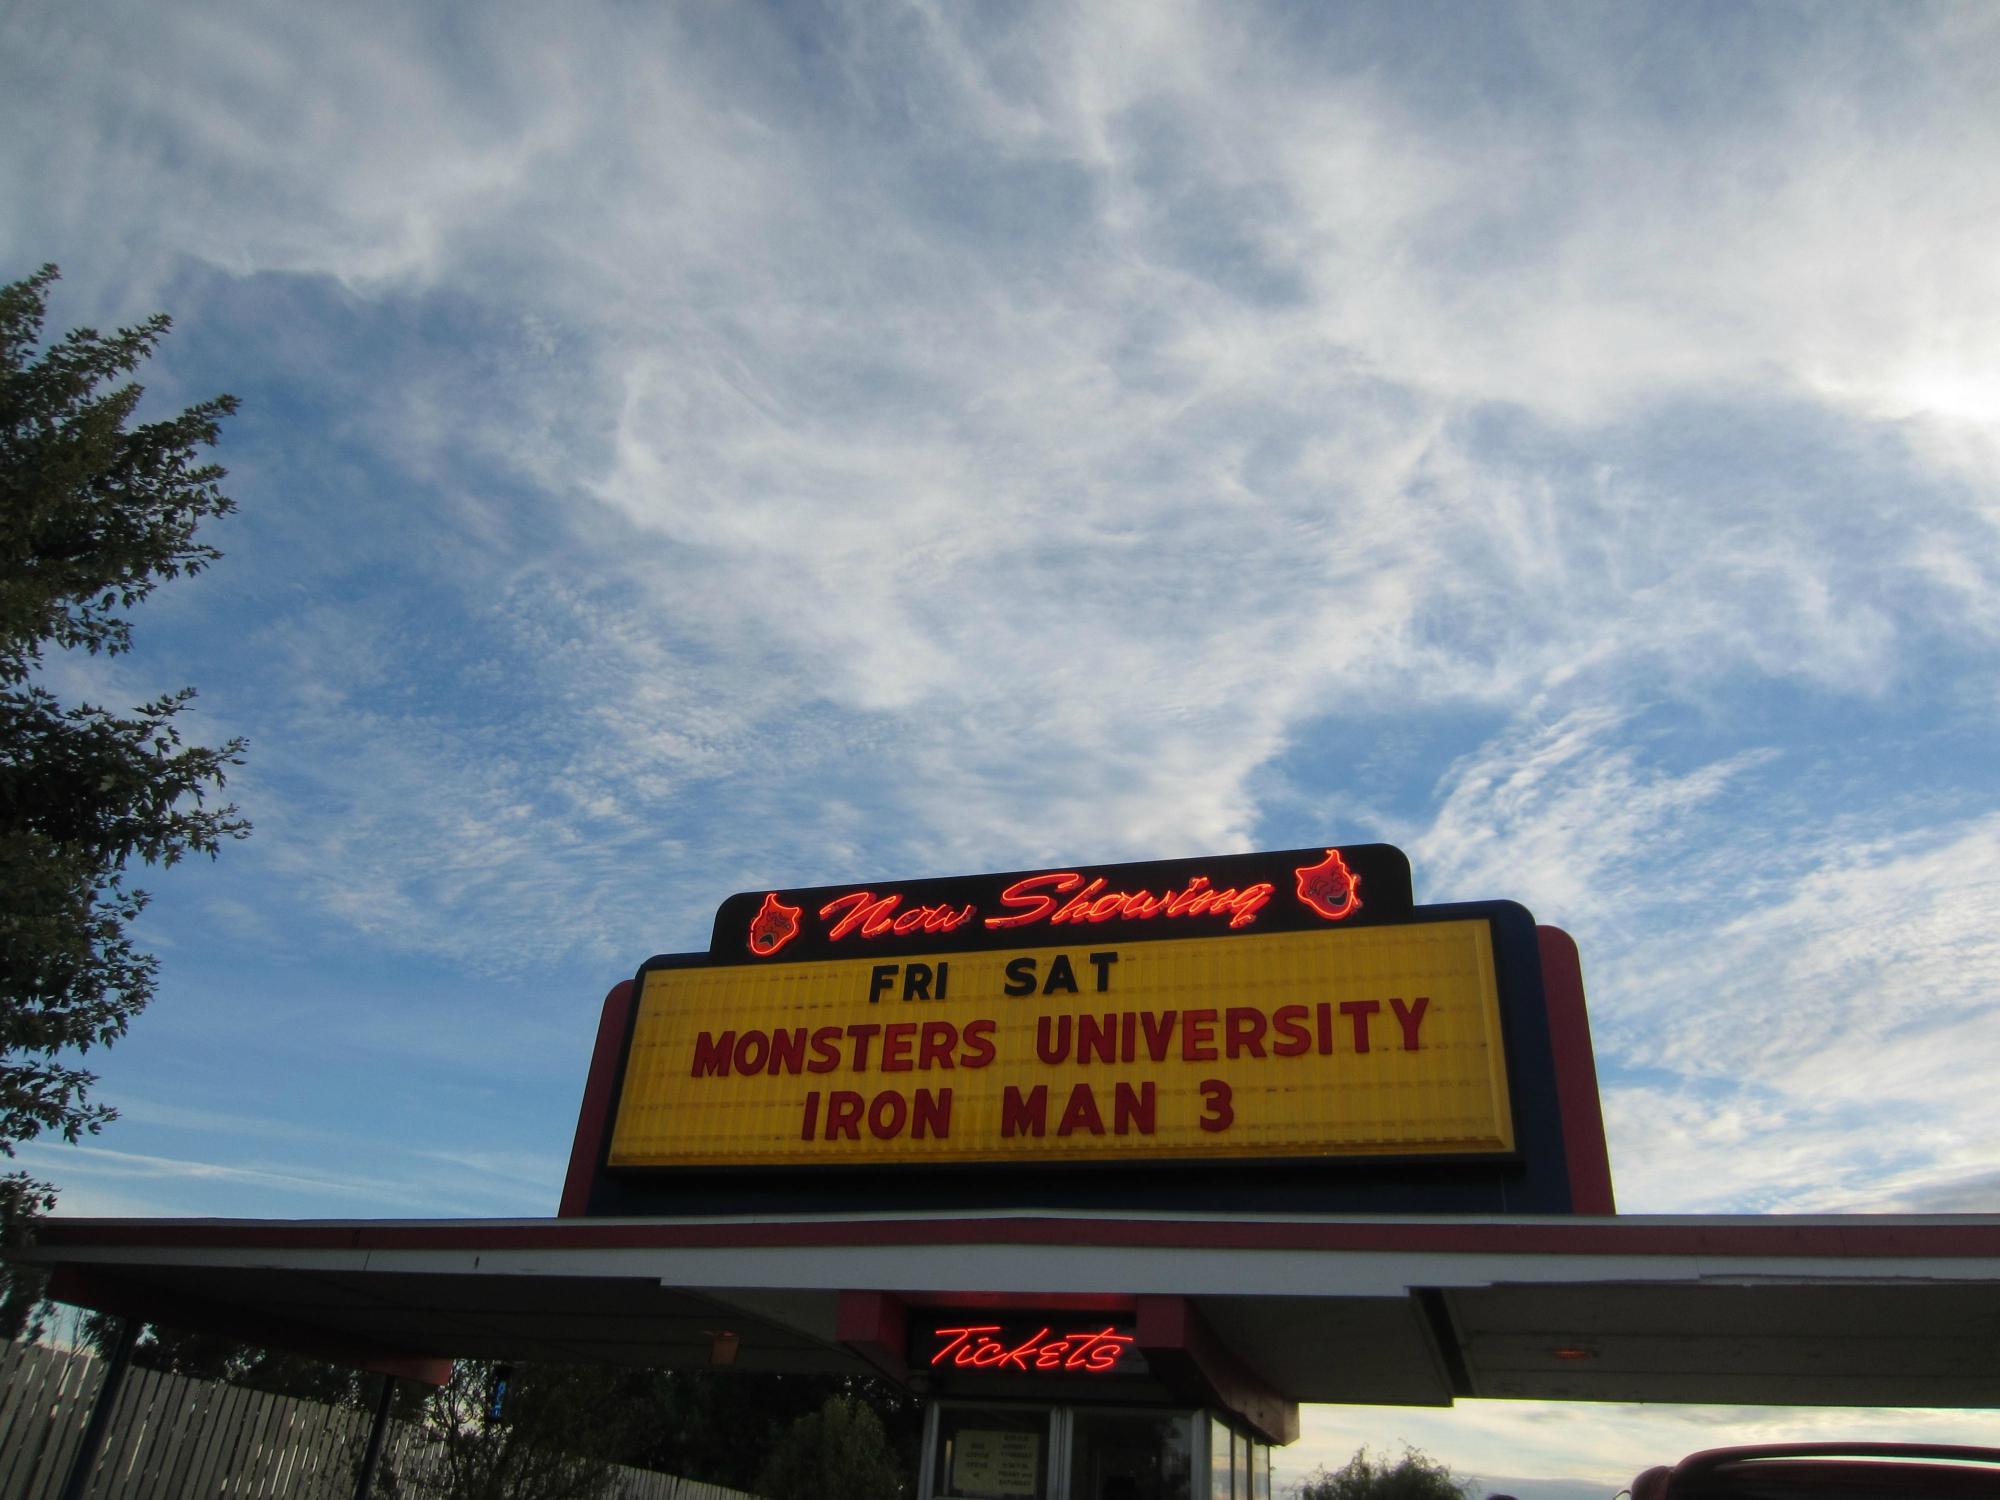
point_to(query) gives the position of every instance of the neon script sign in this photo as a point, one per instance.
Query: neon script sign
(775, 925)
(978, 1348)
(1059, 898)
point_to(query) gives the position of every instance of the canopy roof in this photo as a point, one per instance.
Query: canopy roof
(1825, 1310)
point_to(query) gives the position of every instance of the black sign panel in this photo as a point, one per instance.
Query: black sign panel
(1287, 891)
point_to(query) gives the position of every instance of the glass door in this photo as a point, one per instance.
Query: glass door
(977, 1451)
(1130, 1455)
(990, 1453)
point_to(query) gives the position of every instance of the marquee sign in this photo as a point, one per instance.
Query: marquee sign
(1288, 1010)
(1362, 1042)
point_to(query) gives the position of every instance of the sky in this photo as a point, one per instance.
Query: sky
(690, 448)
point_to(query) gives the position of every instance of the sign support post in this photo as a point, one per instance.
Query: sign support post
(92, 1441)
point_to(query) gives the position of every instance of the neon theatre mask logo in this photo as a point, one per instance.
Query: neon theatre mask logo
(1330, 888)
(775, 925)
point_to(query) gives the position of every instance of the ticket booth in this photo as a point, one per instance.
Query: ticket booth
(1077, 1404)
(995, 1450)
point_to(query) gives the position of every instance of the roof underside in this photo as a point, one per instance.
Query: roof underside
(1782, 1311)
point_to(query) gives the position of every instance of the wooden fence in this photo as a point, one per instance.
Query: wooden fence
(172, 1438)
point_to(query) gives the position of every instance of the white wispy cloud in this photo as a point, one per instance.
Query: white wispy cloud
(422, 1184)
(1082, 509)
(87, 1161)
(1573, 818)
(1787, 1017)
(1847, 1022)
(693, 450)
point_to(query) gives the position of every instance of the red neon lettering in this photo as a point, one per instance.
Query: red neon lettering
(1031, 901)
(1098, 1351)
(1080, 906)
(1329, 887)
(1027, 893)
(958, 1337)
(859, 909)
(874, 916)
(975, 1347)
(775, 925)
(1018, 1355)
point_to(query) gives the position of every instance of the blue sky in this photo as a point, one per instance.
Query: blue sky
(688, 449)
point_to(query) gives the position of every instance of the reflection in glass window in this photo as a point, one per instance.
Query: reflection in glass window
(1220, 1463)
(991, 1453)
(1118, 1455)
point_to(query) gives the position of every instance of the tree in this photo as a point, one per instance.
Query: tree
(93, 516)
(1366, 1477)
(839, 1452)
(722, 1426)
(558, 1437)
(214, 1356)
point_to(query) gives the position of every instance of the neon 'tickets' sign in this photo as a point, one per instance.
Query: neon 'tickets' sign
(984, 1346)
